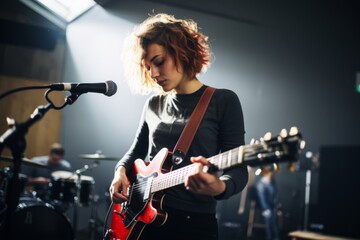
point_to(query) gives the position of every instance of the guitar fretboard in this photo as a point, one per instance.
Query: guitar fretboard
(221, 161)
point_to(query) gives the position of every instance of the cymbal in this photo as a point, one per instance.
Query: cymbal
(24, 161)
(97, 156)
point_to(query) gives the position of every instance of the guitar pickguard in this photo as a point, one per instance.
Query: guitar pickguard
(139, 196)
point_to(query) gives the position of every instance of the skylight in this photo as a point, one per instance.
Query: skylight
(60, 12)
(67, 9)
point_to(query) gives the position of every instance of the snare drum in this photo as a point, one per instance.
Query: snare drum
(35, 219)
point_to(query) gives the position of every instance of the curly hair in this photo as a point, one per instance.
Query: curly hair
(180, 38)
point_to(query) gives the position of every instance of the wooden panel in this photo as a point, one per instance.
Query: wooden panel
(20, 106)
(23, 65)
(33, 63)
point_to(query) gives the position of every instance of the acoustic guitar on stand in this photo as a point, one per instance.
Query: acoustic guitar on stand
(145, 193)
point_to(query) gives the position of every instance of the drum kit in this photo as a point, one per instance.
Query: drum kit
(45, 218)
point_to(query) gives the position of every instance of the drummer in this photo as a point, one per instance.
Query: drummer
(38, 179)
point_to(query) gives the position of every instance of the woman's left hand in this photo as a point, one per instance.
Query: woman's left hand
(202, 182)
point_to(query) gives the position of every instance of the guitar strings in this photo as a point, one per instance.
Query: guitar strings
(173, 175)
(159, 182)
(222, 160)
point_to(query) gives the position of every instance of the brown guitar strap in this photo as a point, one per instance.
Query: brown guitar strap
(187, 135)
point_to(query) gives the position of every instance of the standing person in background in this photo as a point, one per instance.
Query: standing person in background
(166, 55)
(268, 197)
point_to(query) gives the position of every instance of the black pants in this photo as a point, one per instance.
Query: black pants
(183, 225)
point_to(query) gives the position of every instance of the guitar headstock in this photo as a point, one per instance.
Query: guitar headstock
(285, 147)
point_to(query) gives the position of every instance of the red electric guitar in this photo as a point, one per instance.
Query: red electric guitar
(145, 191)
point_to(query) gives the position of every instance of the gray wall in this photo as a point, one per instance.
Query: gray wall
(292, 63)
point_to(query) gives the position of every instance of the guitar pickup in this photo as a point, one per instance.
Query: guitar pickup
(147, 189)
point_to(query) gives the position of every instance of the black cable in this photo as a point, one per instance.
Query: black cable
(22, 89)
(107, 217)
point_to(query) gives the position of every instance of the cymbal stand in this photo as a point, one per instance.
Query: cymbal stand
(93, 217)
(77, 202)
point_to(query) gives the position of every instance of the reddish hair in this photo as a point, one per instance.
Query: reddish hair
(180, 38)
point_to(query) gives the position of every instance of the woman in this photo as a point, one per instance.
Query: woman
(166, 55)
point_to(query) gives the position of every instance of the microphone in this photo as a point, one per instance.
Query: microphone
(108, 88)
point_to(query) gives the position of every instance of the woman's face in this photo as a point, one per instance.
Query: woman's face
(163, 70)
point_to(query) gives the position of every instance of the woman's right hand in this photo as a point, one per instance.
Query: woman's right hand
(119, 186)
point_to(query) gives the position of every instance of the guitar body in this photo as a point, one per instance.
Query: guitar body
(130, 218)
(144, 205)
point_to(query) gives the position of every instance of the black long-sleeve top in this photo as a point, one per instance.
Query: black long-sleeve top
(222, 129)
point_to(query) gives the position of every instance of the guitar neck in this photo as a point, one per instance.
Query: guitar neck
(221, 161)
(274, 150)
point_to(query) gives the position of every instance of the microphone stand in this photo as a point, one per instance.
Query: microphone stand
(307, 199)
(14, 139)
(313, 163)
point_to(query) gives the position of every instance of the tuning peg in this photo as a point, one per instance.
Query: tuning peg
(294, 131)
(283, 133)
(252, 141)
(302, 144)
(276, 167)
(267, 136)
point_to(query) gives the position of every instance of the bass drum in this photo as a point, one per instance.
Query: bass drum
(35, 219)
